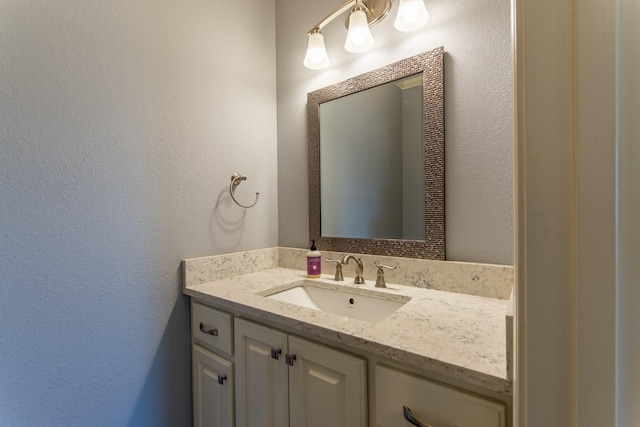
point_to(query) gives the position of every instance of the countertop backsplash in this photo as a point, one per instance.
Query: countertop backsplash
(485, 280)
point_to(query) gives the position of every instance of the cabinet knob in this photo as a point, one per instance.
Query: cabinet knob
(289, 358)
(413, 420)
(275, 353)
(221, 379)
(213, 332)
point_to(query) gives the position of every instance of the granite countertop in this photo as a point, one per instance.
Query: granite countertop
(456, 335)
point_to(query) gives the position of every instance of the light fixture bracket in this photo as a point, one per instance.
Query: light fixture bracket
(376, 11)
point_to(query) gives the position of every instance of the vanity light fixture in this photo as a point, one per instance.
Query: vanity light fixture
(359, 38)
(412, 14)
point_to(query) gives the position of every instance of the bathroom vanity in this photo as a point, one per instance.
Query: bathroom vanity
(262, 358)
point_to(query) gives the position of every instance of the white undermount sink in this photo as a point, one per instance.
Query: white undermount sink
(371, 307)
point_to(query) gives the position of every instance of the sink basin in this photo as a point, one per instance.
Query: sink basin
(366, 305)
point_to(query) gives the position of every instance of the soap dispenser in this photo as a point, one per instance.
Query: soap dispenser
(314, 261)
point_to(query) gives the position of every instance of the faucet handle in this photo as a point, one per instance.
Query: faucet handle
(380, 283)
(338, 276)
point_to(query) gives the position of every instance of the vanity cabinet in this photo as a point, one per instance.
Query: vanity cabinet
(400, 394)
(247, 374)
(212, 367)
(285, 380)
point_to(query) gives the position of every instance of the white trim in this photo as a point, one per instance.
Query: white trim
(596, 212)
(628, 132)
(565, 213)
(544, 392)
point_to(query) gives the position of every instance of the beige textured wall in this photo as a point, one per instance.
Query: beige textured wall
(121, 122)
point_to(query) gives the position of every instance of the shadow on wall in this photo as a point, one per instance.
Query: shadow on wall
(229, 219)
(156, 405)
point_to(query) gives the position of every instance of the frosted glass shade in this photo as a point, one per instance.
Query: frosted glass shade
(412, 14)
(359, 37)
(316, 57)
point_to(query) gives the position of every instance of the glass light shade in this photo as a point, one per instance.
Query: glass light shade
(316, 57)
(412, 14)
(359, 37)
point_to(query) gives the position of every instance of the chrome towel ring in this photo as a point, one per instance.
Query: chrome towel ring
(236, 179)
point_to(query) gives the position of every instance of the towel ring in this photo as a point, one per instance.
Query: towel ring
(236, 179)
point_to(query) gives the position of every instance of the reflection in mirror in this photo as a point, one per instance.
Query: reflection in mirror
(371, 157)
(376, 161)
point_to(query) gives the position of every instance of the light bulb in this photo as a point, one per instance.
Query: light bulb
(412, 14)
(316, 58)
(359, 37)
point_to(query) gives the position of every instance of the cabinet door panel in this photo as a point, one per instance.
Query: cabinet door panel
(432, 403)
(261, 379)
(212, 401)
(326, 387)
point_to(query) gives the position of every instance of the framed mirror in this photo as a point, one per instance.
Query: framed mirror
(376, 161)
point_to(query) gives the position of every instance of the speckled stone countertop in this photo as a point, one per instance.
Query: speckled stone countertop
(457, 335)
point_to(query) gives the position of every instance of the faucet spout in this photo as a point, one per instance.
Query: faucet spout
(359, 280)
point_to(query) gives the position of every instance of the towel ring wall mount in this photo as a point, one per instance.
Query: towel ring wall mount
(236, 179)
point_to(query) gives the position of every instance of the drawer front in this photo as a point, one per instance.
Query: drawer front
(431, 403)
(212, 328)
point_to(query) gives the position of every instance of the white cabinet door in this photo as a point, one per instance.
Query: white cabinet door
(431, 403)
(326, 387)
(212, 389)
(261, 376)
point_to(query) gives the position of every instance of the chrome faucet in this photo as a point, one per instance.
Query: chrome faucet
(359, 280)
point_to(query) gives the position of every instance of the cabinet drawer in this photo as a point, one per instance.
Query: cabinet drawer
(431, 403)
(212, 328)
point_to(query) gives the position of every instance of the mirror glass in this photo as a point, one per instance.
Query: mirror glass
(376, 161)
(371, 159)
